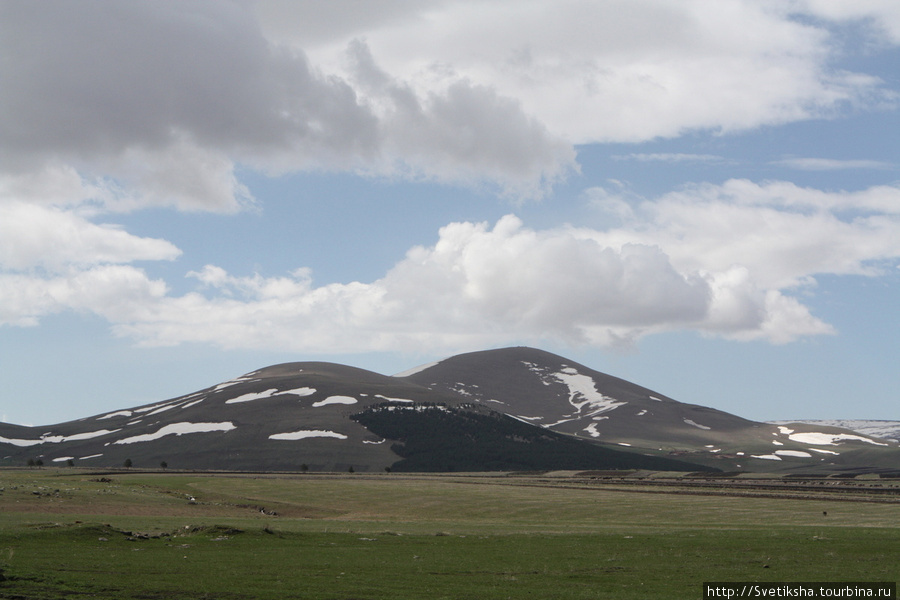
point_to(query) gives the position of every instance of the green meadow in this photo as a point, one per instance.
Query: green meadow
(76, 534)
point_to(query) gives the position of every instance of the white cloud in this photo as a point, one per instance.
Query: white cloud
(44, 236)
(164, 99)
(724, 260)
(623, 70)
(116, 292)
(160, 101)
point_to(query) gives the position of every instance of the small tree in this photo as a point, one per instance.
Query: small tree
(39, 463)
(70, 463)
(30, 462)
(304, 467)
(350, 470)
(164, 465)
(127, 463)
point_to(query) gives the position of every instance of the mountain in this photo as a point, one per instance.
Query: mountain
(564, 396)
(506, 409)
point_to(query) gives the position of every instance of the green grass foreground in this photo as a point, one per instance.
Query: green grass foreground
(76, 534)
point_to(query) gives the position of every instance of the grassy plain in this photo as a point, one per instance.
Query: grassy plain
(78, 534)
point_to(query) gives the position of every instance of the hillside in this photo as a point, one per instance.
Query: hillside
(505, 409)
(564, 396)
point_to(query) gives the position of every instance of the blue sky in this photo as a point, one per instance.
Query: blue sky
(700, 197)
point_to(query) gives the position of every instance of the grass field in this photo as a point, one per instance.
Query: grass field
(76, 534)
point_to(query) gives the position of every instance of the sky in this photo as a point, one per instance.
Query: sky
(700, 196)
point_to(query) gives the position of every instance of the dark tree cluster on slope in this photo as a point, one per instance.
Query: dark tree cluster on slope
(440, 438)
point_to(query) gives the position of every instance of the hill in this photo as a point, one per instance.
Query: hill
(505, 409)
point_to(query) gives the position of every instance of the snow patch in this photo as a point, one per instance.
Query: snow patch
(829, 439)
(777, 443)
(624, 444)
(785, 430)
(335, 400)
(190, 404)
(389, 399)
(697, 425)
(161, 409)
(178, 429)
(91, 456)
(794, 453)
(307, 433)
(823, 451)
(300, 391)
(243, 379)
(642, 413)
(592, 429)
(118, 413)
(154, 407)
(57, 439)
(766, 456)
(583, 392)
(655, 398)
(253, 396)
(376, 443)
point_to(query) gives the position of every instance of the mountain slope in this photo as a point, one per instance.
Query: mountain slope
(512, 408)
(564, 396)
(305, 415)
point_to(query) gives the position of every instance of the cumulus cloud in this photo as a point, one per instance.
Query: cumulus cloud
(50, 238)
(724, 260)
(107, 107)
(164, 99)
(623, 71)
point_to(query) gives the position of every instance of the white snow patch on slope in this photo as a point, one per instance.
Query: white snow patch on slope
(389, 399)
(642, 413)
(243, 379)
(794, 453)
(63, 458)
(785, 430)
(823, 451)
(91, 456)
(335, 400)
(697, 425)
(161, 409)
(592, 429)
(307, 433)
(190, 404)
(19, 442)
(118, 413)
(154, 407)
(57, 439)
(583, 392)
(300, 391)
(253, 396)
(766, 456)
(655, 398)
(178, 429)
(829, 439)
